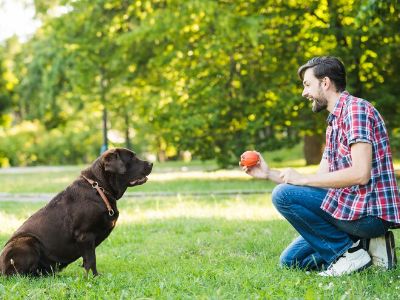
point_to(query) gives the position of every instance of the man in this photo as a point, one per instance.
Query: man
(353, 199)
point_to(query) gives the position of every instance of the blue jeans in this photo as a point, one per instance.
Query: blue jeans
(322, 238)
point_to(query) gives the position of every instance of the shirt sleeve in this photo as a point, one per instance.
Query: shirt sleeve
(359, 123)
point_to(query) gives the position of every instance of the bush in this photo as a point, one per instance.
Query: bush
(29, 144)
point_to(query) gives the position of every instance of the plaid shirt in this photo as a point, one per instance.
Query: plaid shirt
(356, 120)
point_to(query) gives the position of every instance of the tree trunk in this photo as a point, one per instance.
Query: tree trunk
(103, 100)
(127, 132)
(161, 156)
(313, 149)
(104, 147)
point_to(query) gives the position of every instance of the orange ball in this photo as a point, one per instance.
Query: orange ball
(249, 158)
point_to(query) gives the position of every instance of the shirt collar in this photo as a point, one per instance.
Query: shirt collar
(337, 109)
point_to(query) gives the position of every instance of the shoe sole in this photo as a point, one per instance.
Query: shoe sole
(390, 250)
(365, 267)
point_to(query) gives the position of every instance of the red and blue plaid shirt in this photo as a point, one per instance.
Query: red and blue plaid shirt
(355, 120)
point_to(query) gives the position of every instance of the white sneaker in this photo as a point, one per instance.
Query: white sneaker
(382, 251)
(354, 259)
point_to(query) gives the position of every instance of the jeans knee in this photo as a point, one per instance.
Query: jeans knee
(286, 261)
(279, 195)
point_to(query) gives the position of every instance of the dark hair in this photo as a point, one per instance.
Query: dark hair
(326, 66)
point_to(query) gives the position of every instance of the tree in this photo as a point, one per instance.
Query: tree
(212, 77)
(6, 87)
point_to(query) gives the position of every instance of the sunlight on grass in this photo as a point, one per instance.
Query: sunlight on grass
(221, 174)
(235, 208)
(240, 211)
(9, 223)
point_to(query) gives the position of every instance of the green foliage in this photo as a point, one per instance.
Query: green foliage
(211, 77)
(5, 88)
(68, 145)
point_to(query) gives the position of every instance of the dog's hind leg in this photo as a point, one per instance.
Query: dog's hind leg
(20, 256)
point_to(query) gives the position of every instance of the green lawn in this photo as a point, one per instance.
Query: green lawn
(175, 176)
(189, 181)
(184, 246)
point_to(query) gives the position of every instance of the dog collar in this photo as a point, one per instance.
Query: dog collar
(100, 190)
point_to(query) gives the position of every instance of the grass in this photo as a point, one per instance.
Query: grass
(174, 180)
(184, 247)
(175, 176)
(189, 181)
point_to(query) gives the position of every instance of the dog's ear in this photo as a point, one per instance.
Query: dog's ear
(112, 162)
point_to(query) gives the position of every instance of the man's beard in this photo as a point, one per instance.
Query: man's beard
(319, 104)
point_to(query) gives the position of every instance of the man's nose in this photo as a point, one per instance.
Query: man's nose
(304, 93)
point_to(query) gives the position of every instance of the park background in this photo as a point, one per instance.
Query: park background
(204, 79)
(190, 85)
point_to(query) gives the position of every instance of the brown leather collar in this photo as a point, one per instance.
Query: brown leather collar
(100, 190)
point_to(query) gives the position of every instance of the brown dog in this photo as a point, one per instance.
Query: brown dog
(75, 221)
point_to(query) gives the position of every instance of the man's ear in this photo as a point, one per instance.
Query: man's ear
(112, 162)
(326, 82)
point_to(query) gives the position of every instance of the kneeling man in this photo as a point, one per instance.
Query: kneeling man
(343, 212)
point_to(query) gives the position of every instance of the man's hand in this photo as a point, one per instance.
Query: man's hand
(260, 170)
(292, 176)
